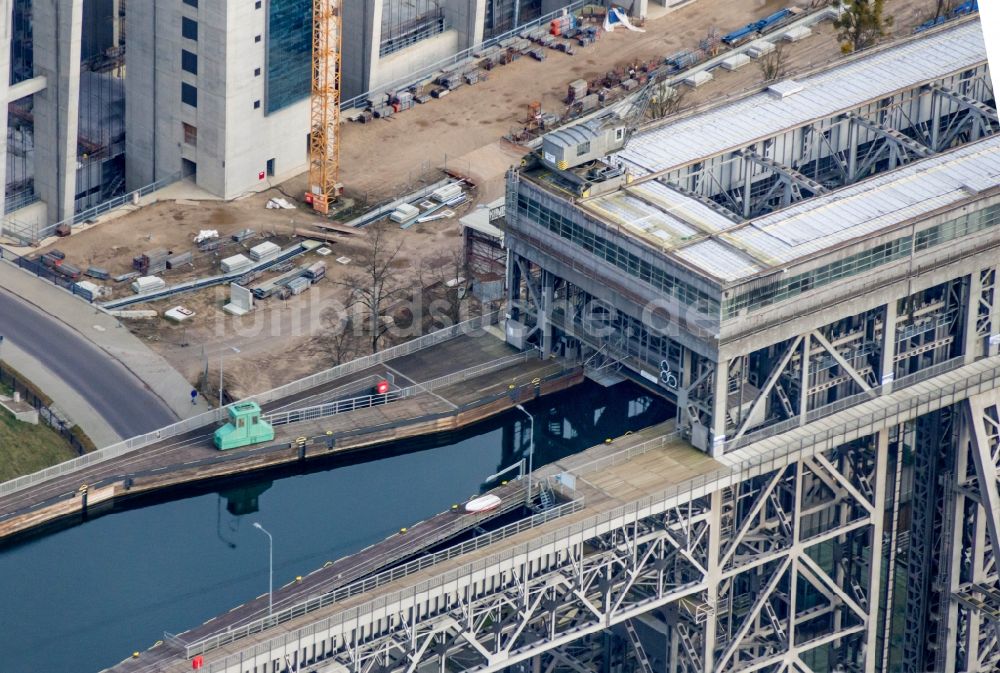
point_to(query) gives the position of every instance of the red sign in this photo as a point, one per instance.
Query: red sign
(197, 662)
(382, 387)
(260, 176)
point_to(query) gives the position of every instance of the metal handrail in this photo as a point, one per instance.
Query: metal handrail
(373, 400)
(380, 579)
(218, 415)
(752, 465)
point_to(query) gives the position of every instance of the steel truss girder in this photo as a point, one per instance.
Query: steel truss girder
(901, 147)
(790, 182)
(652, 562)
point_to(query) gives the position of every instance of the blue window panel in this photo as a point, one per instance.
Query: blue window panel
(189, 28)
(189, 94)
(289, 52)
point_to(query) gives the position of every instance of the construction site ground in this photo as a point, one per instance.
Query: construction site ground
(463, 133)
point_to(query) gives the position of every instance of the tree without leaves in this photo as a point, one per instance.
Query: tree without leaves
(664, 101)
(772, 66)
(377, 283)
(340, 338)
(861, 24)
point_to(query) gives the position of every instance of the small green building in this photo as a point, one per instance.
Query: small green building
(245, 427)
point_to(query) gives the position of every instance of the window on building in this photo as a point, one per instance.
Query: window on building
(256, 5)
(582, 148)
(256, 39)
(256, 105)
(192, 3)
(190, 135)
(189, 28)
(288, 77)
(189, 94)
(256, 72)
(189, 62)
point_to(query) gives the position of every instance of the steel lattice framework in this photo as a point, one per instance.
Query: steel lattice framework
(324, 138)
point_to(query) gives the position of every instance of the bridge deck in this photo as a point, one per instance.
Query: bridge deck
(611, 487)
(192, 456)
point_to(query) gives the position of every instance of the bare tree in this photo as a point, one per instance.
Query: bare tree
(377, 283)
(862, 24)
(340, 337)
(772, 65)
(665, 100)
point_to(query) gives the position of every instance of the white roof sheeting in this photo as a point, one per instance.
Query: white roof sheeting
(737, 124)
(855, 211)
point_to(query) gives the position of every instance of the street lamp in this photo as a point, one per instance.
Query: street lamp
(222, 359)
(270, 566)
(531, 451)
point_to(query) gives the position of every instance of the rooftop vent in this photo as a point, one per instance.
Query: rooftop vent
(785, 89)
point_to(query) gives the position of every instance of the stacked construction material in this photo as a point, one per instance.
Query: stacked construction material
(299, 285)
(561, 25)
(577, 90)
(147, 284)
(235, 264)
(151, 262)
(264, 251)
(177, 261)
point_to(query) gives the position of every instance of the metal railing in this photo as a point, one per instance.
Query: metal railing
(29, 234)
(369, 583)
(373, 400)
(753, 465)
(467, 327)
(623, 456)
(361, 100)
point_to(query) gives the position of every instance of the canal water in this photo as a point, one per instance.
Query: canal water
(85, 597)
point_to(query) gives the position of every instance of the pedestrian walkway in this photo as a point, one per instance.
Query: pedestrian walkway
(107, 333)
(70, 404)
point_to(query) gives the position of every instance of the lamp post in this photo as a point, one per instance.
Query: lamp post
(222, 359)
(531, 451)
(270, 568)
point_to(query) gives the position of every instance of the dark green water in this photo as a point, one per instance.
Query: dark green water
(83, 598)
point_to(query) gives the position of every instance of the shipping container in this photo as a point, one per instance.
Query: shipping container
(98, 273)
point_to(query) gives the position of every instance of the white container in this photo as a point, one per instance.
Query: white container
(735, 62)
(759, 48)
(404, 213)
(697, 79)
(796, 34)
(146, 284)
(264, 251)
(447, 192)
(235, 263)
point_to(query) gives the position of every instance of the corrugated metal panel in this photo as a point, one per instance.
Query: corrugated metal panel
(872, 205)
(635, 213)
(719, 260)
(840, 88)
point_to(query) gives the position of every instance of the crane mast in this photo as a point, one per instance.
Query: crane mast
(324, 137)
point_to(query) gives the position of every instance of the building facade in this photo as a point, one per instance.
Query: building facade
(214, 91)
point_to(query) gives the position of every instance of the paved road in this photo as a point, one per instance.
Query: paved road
(127, 405)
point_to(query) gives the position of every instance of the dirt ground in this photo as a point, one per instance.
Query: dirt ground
(379, 159)
(284, 340)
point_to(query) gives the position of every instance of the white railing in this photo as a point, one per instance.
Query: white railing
(369, 583)
(218, 415)
(373, 400)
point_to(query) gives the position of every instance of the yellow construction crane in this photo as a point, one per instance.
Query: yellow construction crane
(324, 138)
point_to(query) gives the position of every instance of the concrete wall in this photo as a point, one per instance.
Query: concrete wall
(361, 36)
(234, 139)
(251, 136)
(466, 17)
(414, 58)
(56, 108)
